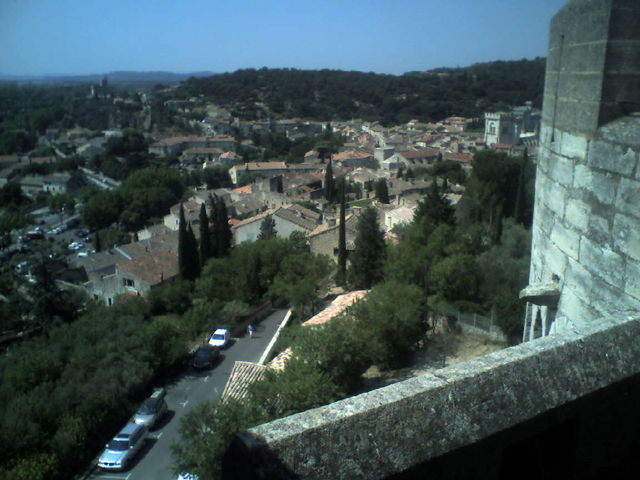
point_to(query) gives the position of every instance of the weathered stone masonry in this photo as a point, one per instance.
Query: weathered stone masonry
(586, 229)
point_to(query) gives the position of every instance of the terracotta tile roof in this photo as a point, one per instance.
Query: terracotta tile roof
(421, 153)
(338, 306)
(152, 269)
(458, 157)
(242, 376)
(246, 190)
(280, 360)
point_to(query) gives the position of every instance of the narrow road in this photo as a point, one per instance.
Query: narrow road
(192, 388)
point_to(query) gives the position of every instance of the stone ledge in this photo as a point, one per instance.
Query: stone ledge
(392, 429)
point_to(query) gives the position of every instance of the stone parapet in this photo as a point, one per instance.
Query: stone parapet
(398, 427)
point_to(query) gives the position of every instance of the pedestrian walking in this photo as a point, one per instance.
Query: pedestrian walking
(251, 330)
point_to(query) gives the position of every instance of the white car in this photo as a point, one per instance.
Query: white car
(220, 338)
(119, 452)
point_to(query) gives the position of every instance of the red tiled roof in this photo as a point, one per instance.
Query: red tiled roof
(339, 305)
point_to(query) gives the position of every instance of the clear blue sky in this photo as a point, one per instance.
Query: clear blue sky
(387, 36)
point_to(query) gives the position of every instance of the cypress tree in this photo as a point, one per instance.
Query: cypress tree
(267, 228)
(193, 258)
(329, 183)
(382, 191)
(367, 259)
(223, 229)
(205, 236)
(342, 244)
(182, 244)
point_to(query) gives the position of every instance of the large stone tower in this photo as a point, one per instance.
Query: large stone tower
(585, 261)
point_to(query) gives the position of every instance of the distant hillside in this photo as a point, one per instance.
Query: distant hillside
(114, 78)
(333, 94)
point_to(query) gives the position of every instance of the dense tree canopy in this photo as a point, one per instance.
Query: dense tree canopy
(367, 259)
(331, 94)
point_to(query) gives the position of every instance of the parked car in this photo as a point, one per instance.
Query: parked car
(205, 356)
(152, 409)
(219, 338)
(119, 452)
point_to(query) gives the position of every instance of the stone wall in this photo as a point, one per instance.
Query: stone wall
(490, 404)
(586, 231)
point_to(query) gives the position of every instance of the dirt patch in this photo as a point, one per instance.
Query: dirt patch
(442, 349)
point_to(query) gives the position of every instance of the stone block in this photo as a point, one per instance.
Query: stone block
(577, 311)
(566, 240)
(584, 58)
(579, 280)
(574, 147)
(555, 197)
(611, 157)
(561, 170)
(626, 235)
(632, 277)
(580, 118)
(577, 214)
(628, 199)
(601, 185)
(554, 262)
(623, 131)
(579, 85)
(599, 228)
(602, 262)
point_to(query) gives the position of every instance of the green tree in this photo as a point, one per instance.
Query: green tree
(206, 250)
(342, 243)
(329, 183)
(298, 280)
(382, 190)
(367, 259)
(434, 208)
(205, 434)
(188, 261)
(298, 387)
(391, 319)
(62, 203)
(267, 228)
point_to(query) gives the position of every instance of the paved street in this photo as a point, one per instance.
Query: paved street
(192, 388)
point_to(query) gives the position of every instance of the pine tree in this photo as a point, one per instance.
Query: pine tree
(205, 236)
(434, 207)
(342, 244)
(367, 259)
(329, 183)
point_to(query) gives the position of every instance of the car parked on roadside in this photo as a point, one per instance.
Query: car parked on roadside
(152, 409)
(120, 451)
(205, 356)
(219, 338)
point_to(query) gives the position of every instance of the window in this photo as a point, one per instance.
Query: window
(127, 282)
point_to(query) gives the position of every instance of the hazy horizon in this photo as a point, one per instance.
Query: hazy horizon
(79, 37)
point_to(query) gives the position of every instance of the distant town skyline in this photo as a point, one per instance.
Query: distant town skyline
(78, 37)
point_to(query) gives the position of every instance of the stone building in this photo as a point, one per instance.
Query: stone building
(585, 260)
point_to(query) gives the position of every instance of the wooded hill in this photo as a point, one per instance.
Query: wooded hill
(339, 95)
